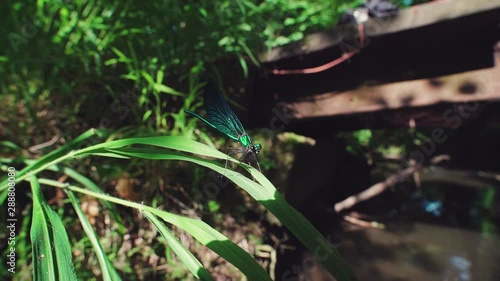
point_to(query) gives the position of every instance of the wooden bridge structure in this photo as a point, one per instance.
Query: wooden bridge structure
(409, 70)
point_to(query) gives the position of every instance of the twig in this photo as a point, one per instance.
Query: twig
(34, 148)
(380, 187)
(363, 223)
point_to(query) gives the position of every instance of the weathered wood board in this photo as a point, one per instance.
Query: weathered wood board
(409, 71)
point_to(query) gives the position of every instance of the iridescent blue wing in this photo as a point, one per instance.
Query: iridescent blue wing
(219, 114)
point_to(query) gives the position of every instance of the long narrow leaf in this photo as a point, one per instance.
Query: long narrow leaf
(107, 270)
(268, 196)
(91, 186)
(263, 191)
(201, 231)
(56, 153)
(171, 142)
(50, 157)
(52, 256)
(167, 90)
(186, 257)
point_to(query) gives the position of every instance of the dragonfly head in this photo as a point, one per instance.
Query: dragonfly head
(256, 148)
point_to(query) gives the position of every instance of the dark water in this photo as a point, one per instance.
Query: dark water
(422, 240)
(415, 252)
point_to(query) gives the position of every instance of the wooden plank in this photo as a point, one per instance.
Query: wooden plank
(432, 102)
(368, 89)
(480, 85)
(411, 18)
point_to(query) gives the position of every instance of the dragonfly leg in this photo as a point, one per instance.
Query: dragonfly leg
(254, 159)
(247, 153)
(229, 152)
(258, 165)
(251, 157)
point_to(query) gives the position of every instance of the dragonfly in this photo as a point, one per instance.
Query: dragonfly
(222, 118)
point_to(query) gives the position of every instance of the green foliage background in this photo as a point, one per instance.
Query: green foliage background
(67, 65)
(94, 39)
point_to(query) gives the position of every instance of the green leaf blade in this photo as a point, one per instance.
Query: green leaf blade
(184, 255)
(52, 256)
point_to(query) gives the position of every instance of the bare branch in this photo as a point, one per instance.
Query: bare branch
(380, 187)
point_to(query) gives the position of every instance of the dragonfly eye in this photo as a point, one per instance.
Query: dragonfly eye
(257, 148)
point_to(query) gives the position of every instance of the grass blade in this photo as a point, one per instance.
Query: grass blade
(50, 157)
(92, 186)
(107, 269)
(262, 190)
(52, 256)
(184, 255)
(266, 194)
(201, 231)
